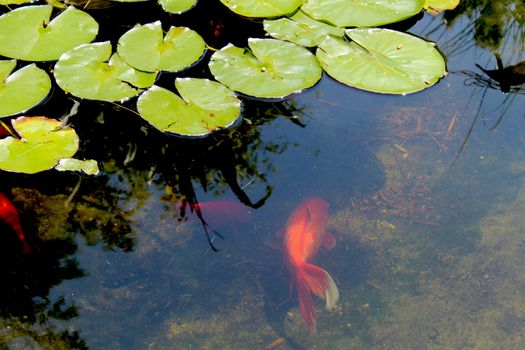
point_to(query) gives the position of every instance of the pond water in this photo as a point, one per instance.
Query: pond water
(426, 195)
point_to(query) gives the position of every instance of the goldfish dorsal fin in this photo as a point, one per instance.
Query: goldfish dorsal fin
(309, 216)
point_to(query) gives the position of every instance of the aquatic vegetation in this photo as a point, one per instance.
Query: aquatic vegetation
(269, 68)
(394, 62)
(204, 106)
(27, 33)
(262, 8)
(301, 29)
(44, 142)
(362, 13)
(22, 89)
(178, 49)
(91, 71)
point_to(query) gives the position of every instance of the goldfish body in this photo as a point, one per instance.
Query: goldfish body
(306, 231)
(9, 215)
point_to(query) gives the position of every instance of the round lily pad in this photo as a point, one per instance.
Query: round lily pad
(270, 69)
(91, 71)
(204, 106)
(23, 89)
(262, 8)
(382, 60)
(177, 6)
(26, 33)
(178, 49)
(301, 29)
(362, 13)
(43, 143)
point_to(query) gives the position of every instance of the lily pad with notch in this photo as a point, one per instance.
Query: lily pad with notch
(44, 142)
(301, 29)
(382, 60)
(27, 34)
(362, 13)
(23, 89)
(178, 49)
(203, 106)
(91, 71)
(177, 6)
(269, 69)
(262, 8)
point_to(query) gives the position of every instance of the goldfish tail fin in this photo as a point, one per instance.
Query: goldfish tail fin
(306, 303)
(313, 279)
(321, 284)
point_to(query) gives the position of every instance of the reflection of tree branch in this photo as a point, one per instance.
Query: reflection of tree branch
(471, 128)
(230, 176)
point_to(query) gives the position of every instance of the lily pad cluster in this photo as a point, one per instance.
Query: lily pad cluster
(308, 36)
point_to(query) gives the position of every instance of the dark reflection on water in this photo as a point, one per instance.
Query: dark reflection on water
(426, 195)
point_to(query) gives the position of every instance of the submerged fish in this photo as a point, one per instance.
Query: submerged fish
(9, 215)
(223, 213)
(306, 231)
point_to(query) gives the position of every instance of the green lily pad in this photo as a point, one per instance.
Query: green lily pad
(89, 167)
(43, 143)
(23, 89)
(362, 13)
(177, 6)
(180, 48)
(271, 69)
(91, 71)
(262, 8)
(301, 29)
(440, 5)
(204, 106)
(27, 34)
(14, 2)
(382, 60)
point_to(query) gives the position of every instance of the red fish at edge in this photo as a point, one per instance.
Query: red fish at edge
(9, 215)
(306, 231)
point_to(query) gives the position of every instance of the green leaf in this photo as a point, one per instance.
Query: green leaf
(177, 6)
(14, 2)
(23, 89)
(27, 34)
(180, 48)
(43, 143)
(362, 13)
(382, 60)
(204, 106)
(301, 29)
(262, 8)
(272, 69)
(440, 5)
(91, 71)
(89, 167)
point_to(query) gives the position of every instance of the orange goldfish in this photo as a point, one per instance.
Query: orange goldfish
(9, 215)
(306, 231)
